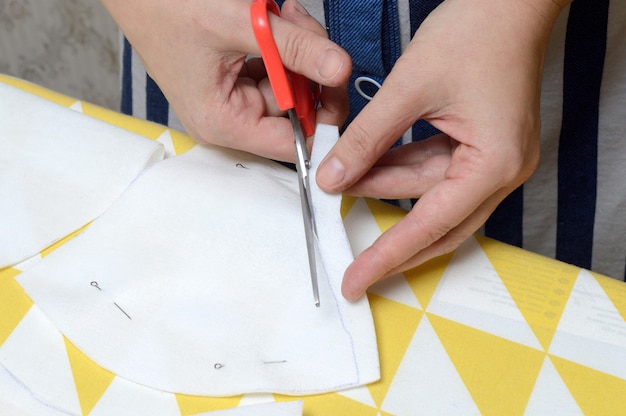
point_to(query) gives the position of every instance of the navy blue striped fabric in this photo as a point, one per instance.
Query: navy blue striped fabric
(126, 104)
(506, 222)
(578, 144)
(157, 107)
(585, 48)
(419, 10)
(390, 39)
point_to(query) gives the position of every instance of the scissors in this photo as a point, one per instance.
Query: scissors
(293, 94)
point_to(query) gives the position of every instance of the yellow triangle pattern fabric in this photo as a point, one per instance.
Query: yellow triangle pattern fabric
(37, 90)
(191, 405)
(498, 373)
(347, 202)
(425, 278)
(385, 215)
(62, 241)
(422, 279)
(525, 275)
(393, 339)
(328, 404)
(14, 303)
(594, 391)
(146, 129)
(91, 380)
(615, 291)
(181, 141)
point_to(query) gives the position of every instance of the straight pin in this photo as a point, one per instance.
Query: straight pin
(123, 311)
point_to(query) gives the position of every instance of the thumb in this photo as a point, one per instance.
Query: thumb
(305, 49)
(381, 122)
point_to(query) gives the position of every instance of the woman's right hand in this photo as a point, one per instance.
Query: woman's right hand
(196, 52)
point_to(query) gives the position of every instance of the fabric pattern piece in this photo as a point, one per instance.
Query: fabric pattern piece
(196, 281)
(59, 170)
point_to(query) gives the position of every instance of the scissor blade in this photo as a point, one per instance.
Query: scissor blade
(310, 232)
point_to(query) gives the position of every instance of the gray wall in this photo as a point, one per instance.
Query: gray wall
(70, 46)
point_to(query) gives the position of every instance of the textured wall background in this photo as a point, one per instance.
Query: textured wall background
(70, 46)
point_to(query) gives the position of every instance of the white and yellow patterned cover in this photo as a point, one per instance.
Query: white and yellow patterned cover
(490, 329)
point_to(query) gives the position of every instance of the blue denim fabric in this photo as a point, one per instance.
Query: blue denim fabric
(369, 31)
(420, 9)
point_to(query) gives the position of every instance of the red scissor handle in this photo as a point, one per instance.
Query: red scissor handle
(291, 90)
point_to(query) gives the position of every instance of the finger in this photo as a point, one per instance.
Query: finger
(294, 12)
(407, 171)
(303, 48)
(272, 138)
(334, 105)
(241, 123)
(271, 105)
(454, 238)
(390, 113)
(310, 52)
(254, 68)
(356, 281)
(440, 210)
(417, 152)
(401, 181)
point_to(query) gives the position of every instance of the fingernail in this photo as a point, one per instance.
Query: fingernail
(329, 64)
(331, 173)
(300, 8)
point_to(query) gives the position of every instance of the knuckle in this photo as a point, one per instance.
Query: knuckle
(430, 231)
(521, 164)
(360, 142)
(524, 155)
(294, 49)
(383, 259)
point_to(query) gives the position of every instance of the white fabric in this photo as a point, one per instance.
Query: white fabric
(58, 171)
(196, 281)
(17, 400)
